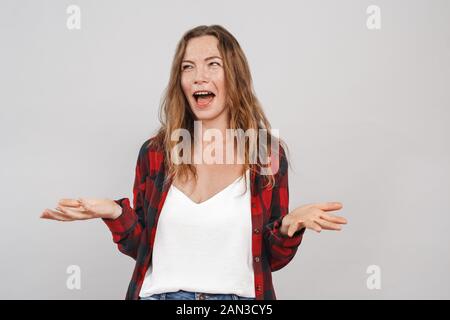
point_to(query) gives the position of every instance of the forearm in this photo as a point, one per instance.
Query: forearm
(125, 228)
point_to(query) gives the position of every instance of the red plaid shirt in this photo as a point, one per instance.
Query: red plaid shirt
(134, 230)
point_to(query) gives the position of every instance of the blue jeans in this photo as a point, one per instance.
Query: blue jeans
(188, 295)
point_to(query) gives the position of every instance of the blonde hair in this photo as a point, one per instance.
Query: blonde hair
(244, 109)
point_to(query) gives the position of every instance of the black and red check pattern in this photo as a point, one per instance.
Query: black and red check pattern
(134, 231)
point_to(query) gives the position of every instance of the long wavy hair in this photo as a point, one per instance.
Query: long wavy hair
(245, 111)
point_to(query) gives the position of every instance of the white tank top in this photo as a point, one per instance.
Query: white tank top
(205, 247)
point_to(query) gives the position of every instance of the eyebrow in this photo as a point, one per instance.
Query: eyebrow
(206, 59)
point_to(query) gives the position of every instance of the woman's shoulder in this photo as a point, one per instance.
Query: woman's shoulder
(152, 144)
(151, 153)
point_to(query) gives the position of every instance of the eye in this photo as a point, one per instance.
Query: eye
(186, 66)
(214, 63)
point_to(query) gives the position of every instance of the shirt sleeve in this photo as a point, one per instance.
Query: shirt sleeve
(127, 228)
(282, 248)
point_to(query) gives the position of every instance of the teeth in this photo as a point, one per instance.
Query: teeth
(202, 93)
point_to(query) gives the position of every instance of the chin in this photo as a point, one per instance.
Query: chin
(206, 115)
(209, 113)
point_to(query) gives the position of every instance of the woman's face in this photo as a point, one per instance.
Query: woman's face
(203, 79)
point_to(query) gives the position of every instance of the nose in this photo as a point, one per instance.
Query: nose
(201, 75)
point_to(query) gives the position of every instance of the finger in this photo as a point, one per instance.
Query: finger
(45, 215)
(73, 214)
(328, 225)
(69, 202)
(332, 218)
(293, 228)
(316, 227)
(80, 209)
(313, 226)
(328, 206)
(54, 215)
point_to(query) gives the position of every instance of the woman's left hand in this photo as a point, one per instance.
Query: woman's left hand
(314, 216)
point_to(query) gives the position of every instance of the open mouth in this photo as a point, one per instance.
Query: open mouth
(203, 98)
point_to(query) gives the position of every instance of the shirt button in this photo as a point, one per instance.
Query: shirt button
(256, 230)
(201, 296)
(256, 259)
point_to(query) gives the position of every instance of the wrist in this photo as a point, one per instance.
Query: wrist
(117, 212)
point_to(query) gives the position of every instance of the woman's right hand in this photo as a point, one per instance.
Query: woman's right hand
(83, 209)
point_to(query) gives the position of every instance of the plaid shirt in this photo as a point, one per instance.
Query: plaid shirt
(134, 230)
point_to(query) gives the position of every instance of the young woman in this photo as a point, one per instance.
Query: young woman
(197, 230)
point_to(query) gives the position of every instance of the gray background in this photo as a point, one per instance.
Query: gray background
(364, 112)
